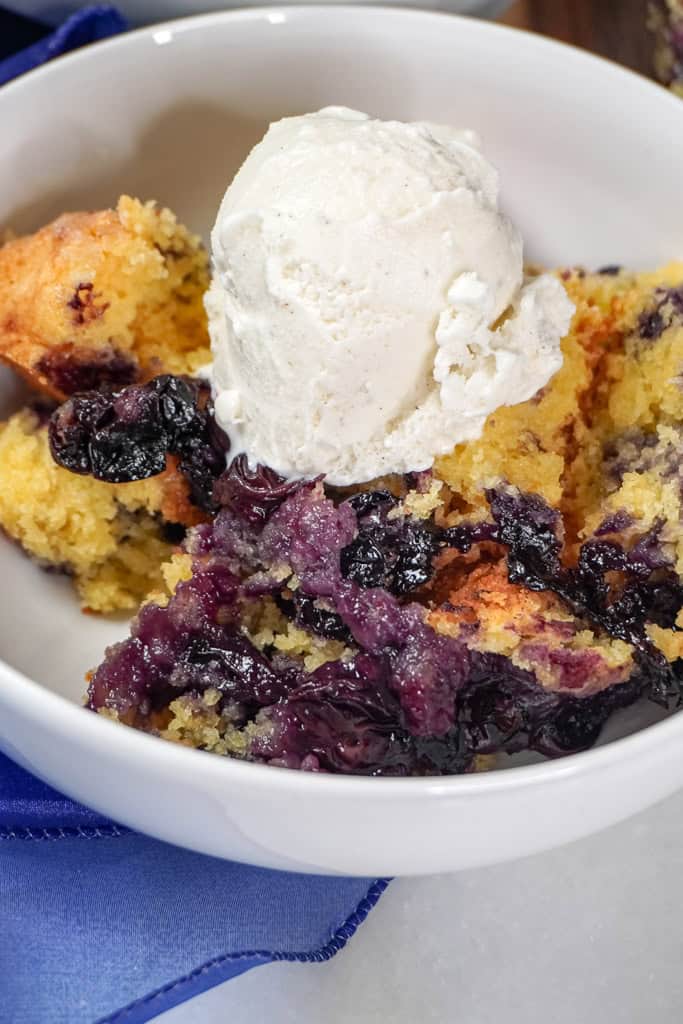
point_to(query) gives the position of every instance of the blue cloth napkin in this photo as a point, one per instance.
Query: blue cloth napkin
(97, 923)
(25, 44)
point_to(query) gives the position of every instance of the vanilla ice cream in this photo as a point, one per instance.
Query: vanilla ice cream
(369, 307)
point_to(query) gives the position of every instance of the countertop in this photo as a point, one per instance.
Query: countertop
(587, 934)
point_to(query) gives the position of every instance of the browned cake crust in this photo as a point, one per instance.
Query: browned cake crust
(175, 505)
(112, 296)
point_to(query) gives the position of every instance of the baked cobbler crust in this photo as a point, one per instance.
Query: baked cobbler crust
(512, 598)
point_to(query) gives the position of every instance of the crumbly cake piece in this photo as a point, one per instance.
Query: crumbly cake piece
(529, 444)
(109, 531)
(636, 385)
(551, 445)
(534, 630)
(112, 538)
(98, 299)
(112, 296)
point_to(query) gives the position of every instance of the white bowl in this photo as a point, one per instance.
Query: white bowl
(591, 159)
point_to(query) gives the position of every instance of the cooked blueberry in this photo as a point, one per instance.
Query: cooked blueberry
(345, 716)
(366, 502)
(615, 523)
(416, 548)
(319, 620)
(651, 325)
(230, 664)
(363, 562)
(528, 527)
(173, 533)
(251, 493)
(610, 270)
(177, 405)
(119, 455)
(445, 755)
(464, 536)
(675, 295)
(575, 726)
(71, 427)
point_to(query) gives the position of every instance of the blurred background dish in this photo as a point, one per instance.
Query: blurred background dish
(143, 12)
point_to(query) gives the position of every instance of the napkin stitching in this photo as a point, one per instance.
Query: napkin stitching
(337, 942)
(65, 832)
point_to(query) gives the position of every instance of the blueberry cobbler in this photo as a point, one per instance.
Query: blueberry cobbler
(490, 563)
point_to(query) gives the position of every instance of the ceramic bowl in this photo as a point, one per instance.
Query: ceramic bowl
(591, 159)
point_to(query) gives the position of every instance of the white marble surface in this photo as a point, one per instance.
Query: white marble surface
(589, 934)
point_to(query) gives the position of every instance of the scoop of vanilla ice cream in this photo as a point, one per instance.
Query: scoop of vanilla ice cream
(369, 308)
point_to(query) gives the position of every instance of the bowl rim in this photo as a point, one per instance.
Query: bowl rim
(37, 702)
(279, 14)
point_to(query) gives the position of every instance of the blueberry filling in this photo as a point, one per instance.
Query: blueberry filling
(361, 715)
(402, 698)
(124, 435)
(396, 554)
(405, 700)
